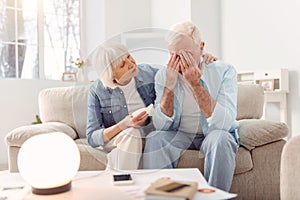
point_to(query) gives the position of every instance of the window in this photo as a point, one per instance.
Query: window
(38, 38)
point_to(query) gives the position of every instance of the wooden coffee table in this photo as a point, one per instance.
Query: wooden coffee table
(99, 185)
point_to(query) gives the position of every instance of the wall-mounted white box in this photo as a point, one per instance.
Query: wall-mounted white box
(279, 77)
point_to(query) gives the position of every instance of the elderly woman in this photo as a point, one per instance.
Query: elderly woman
(123, 87)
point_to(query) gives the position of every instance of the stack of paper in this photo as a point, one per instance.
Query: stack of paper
(169, 189)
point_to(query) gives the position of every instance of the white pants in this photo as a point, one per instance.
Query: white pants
(126, 150)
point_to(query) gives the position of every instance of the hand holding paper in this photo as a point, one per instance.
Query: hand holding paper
(149, 111)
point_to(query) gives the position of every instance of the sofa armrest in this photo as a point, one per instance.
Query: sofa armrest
(19, 135)
(257, 132)
(289, 174)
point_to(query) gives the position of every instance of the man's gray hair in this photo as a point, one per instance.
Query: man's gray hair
(105, 58)
(183, 29)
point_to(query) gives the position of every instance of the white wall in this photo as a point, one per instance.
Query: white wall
(122, 16)
(265, 35)
(207, 16)
(92, 25)
(19, 105)
(105, 19)
(167, 12)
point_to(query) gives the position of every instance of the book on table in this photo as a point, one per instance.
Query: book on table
(168, 189)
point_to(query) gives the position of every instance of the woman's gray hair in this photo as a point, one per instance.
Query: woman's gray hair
(183, 29)
(106, 57)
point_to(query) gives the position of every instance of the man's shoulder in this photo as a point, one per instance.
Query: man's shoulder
(218, 71)
(161, 73)
(219, 67)
(162, 70)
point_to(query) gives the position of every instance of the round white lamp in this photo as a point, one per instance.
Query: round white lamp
(48, 162)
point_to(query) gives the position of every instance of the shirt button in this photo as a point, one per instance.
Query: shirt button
(125, 106)
(109, 111)
(121, 92)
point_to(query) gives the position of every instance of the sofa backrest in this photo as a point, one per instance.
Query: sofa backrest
(69, 105)
(250, 101)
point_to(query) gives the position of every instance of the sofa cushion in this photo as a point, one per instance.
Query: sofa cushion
(250, 101)
(190, 158)
(67, 105)
(243, 160)
(19, 135)
(256, 132)
(91, 158)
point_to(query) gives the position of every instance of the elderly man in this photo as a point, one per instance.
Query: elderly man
(196, 108)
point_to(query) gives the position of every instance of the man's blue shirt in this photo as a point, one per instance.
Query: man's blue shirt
(220, 80)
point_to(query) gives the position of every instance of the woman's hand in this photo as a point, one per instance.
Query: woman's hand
(131, 121)
(173, 68)
(138, 120)
(208, 58)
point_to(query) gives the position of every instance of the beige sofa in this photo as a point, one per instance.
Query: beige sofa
(289, 172)
(257, 161)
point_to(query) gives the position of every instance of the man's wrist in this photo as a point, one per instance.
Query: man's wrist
(169, 91)
(196, 86)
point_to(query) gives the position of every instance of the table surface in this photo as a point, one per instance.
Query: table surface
(99, 185)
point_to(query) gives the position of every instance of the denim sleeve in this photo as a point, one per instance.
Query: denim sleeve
(94, 129)
(160, 120)
(225, 111)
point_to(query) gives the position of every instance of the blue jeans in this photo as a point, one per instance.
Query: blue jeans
(163, 149)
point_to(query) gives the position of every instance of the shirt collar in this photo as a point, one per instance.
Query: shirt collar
(138, 81)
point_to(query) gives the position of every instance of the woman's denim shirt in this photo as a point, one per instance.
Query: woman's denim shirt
(107, 106)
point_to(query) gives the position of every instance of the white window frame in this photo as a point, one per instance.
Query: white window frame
(40, 37)
(40, 29)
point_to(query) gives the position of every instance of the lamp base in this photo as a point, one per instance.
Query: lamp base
(49, 191)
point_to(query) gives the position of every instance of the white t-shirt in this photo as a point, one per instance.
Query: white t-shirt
(190, 121)
(133, 98)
